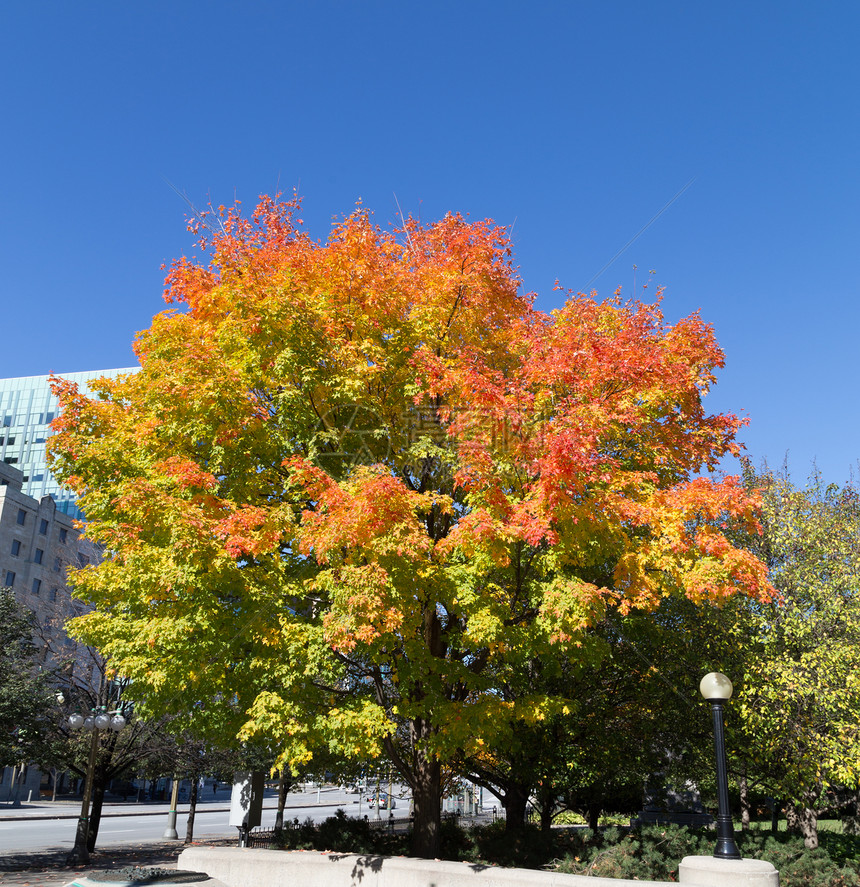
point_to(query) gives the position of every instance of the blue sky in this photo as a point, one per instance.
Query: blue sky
(573, 122)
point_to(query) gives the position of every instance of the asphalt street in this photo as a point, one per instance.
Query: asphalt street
(48, 826)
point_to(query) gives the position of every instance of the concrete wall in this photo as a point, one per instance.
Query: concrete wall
(237, 867)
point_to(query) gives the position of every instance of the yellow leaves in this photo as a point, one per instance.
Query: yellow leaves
(569, 607)
(365, 605)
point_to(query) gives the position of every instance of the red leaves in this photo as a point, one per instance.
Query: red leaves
(248, 531)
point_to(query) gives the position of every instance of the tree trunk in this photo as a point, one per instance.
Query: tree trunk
(743, 786)
(546, 803)
(96, 809)
(806, 822)
(546, 812)
(426, 795)
(282, 800)
(594, 816)
(851, 823)
(192, 809)
(515, 802)
(792, 822)
(774, 816)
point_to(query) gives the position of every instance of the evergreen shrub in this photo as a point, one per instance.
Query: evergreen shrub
(648, 853)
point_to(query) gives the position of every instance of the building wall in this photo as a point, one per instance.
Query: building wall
(38, 543)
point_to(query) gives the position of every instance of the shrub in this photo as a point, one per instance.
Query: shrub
(341, 834)
(655, 852)
(651, 852)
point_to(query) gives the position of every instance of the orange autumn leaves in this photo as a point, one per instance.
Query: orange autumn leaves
(577, 436)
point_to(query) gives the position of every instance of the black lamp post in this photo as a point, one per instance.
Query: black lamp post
(717, 689)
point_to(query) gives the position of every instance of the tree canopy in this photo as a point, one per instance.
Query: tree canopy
(799, 703)
(357, 484)
(26, 699)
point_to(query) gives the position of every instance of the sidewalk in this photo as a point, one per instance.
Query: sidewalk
(47, 868)
(71, 809)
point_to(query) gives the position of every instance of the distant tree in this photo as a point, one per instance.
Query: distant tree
(26, 697)
(792, 723)
(621, 715)
(799, 694)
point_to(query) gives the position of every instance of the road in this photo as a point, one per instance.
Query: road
(122, 823)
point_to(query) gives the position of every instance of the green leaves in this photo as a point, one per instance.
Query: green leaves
(800, 696)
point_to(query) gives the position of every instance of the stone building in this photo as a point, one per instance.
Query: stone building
(38, 542)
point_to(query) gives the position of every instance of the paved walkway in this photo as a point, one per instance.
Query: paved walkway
(47, 868)
(71, 809)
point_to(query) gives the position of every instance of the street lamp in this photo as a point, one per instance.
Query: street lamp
(98, 720)
(717, 689)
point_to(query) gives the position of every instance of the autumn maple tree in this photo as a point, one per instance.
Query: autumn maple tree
(356, 484)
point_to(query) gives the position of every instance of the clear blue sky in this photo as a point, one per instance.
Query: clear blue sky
(573, 122)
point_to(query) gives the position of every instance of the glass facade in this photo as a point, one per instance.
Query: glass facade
(27, 408)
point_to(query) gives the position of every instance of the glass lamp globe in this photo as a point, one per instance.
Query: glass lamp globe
(716, 687)
(76, 721)
(102, 721)
(117, 723)
(89, 723)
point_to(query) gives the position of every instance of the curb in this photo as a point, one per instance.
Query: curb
(207, 809)
(89, 882)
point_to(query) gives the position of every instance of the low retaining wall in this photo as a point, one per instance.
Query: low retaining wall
(242, 867)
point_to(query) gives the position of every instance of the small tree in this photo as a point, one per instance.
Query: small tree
(799, 701)
(26, 699)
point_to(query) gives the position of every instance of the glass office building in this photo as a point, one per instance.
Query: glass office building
(27, 408)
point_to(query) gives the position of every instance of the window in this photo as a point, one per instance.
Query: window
(16, 547)
(11, 440)
(37, 557)
(83, 560)
(22, 517)
(53, 594)
(10, 578)
(43, 527)
(63, 534)
(56, 565)
(37, 586)
(11, 460)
